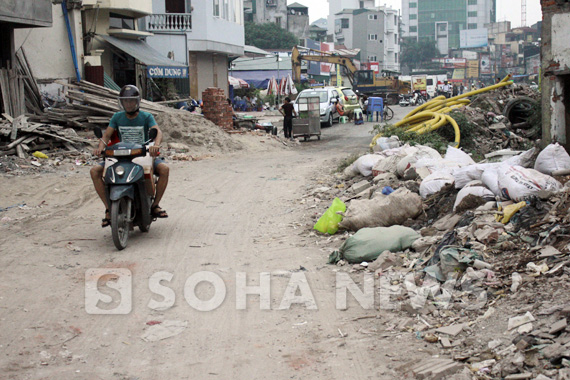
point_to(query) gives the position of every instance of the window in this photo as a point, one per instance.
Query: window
(472, 14)
(395, 20)
(413, 29)
(396, 39)
(413, 16)
(372, 37)
(471, 26)
(344, 23)
(471, 2)
(278, 21)
(216, 10)
(413, 5)
(175, 6)
(361, 5)
(372, 58)
(117, 21)
(396, 57)
(429, 82)
(373, 17)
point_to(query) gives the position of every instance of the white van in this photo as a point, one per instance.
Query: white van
(327, 106)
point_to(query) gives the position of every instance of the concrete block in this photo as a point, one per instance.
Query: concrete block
(360, 186)
(451, 330)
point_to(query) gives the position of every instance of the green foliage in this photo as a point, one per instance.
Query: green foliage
(466, 128)
(433, 140)
(346, 162)
(416, 54)
(269, 36)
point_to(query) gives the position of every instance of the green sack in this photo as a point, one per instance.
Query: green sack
(368, 243)
(328, 223)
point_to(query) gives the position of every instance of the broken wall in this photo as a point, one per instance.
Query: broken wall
(555, 68)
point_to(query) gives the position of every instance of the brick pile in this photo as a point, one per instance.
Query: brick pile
(216, 108)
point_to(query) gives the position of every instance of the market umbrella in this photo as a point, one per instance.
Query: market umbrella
(237, 82)
(282, 90)
(290, 85)
(272, 87)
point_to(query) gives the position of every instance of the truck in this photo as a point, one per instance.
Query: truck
(385, 84)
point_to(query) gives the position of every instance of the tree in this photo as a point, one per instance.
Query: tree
(269, 36)
(417, 53)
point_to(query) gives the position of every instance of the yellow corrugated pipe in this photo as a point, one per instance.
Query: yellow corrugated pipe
(434, 114)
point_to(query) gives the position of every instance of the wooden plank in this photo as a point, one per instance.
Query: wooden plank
(20, 151)
(16, 142)
(5, 90)
(8, 117)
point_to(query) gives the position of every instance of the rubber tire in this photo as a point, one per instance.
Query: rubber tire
(319, 137)
(120, 234)
(330, 121)
(305, 138)
(388, 114)
(420, 102)
(274, 131)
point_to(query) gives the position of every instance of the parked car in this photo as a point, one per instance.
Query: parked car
(348, 98)
(327, 107)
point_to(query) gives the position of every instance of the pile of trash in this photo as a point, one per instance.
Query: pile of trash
(505, 118)
(447, 238)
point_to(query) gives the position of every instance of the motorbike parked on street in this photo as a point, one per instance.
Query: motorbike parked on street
(129, 187)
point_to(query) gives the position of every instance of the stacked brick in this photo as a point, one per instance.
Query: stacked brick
(216, 108)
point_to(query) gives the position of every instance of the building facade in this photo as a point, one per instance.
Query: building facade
(201, 34)
(336, 6)
(264, 11)
(298, 20)
(443, 20)
(373, 31)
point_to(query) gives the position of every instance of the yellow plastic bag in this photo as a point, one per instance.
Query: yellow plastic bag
(328, 222)
(39, 154)
(509, 211)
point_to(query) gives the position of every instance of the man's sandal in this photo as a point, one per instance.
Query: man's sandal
(105, 222)
(158, 212)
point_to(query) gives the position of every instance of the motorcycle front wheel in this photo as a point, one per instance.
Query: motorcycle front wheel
(120, 222)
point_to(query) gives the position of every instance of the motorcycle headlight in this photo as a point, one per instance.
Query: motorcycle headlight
(120, 170)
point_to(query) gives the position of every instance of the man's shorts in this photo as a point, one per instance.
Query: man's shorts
(157, 161)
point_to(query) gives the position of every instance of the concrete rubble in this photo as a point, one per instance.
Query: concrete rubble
(498, 301)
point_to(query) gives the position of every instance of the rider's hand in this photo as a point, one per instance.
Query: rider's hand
(97, 152)
(154, 150)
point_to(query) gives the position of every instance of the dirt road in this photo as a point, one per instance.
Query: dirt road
(237, 213)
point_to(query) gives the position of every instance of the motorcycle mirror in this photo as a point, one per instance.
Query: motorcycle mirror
(152, 133)
(98, 132)
(333, 101)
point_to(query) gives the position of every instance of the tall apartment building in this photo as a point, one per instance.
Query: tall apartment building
(442, 20)
(374, 31)
(336, 6)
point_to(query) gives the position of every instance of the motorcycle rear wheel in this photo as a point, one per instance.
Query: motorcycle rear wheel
(120, 222)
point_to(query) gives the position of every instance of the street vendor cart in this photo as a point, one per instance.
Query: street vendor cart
(308, 122)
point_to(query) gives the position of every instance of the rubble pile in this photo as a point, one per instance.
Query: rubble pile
(502, 119)
(479, 272)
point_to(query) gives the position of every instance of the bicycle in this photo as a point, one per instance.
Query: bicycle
(388, 113)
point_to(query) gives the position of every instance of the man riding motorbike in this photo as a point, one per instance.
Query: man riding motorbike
(131, 125)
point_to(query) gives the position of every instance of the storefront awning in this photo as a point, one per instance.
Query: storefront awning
(158, 66)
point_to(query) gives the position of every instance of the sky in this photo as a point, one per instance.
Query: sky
(507, 10)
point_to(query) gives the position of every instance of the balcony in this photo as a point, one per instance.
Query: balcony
(169, 22)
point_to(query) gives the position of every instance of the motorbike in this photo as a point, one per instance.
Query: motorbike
(404, 100)
(129, 187)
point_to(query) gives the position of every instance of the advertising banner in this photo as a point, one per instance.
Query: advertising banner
(471, 38)
(485, 64)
